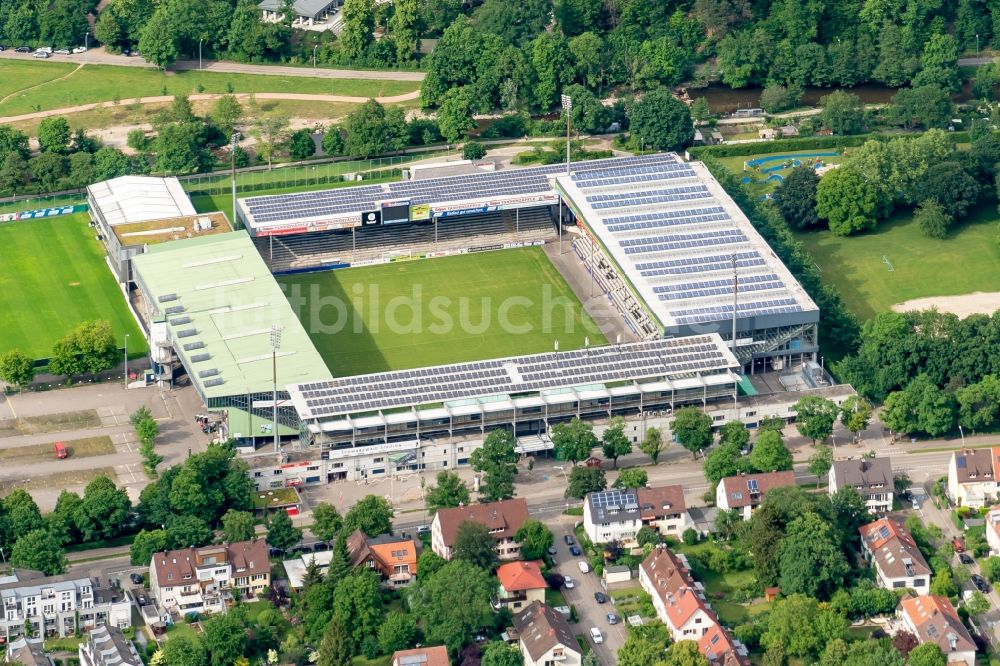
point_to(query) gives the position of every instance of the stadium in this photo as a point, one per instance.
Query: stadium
(660, 293)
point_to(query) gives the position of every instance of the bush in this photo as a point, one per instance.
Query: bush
(191, 618)
(137, 140)
(690, 536)
(513, 126)
(473, 151)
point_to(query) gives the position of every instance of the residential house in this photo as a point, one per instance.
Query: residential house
(306, 12)
(28, 652)
(680, 604)
(663, 508)
(972, 475)
(933, 619)
(108, 647)
(503, 519)
(545, 637)
(993, 531)
(612, 515)
(871, 477)
(745, 492)
(393, 558)
(521, 583)
(898, 563)
(200, 580)
(59, 605)
(425, 656)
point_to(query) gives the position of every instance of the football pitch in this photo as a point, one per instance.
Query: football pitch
(437, 311)
(53, 276)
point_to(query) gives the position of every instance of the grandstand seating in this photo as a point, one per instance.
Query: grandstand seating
(613, 285)
(283, 253)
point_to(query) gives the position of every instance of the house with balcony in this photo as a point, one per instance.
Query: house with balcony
(59, 605)
(108, 647)
(745, 492)
(520, 584)
(205, 580)
(503, 519)
(933, 619)
(898, 563)
(545, 637)
(663, 509)
(972, 477)
(618, 515)
(871, 477)
(393, 558)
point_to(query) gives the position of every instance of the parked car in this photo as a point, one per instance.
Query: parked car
(302, 549)
(958, 545)
(275, 552)
(552, 551)
(569, 540)
(60, 450)
(62, 51)
(142, 600)
(319, 546)
(424, 529)
(600, 597)
(568, 583)
(596, 634)
(965, 558)
(135, 578)
(40, 54)
(980, 583)
(612, 618)
(79, 49)
(2, 48)
(584, 567)
(44, 49)
(574, 551)
(22, 49)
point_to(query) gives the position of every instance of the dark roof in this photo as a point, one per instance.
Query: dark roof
(864, 474)
(976, 465)
(247, 557)
(749, 489)
(661, 501)
(503, 518)
(28, 651)
(613, 506)
(541, 628)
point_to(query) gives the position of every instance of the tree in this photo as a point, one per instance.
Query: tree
(496, 460)
(62, 520)
(843, 112)
(855, 414)
(227, 112)
(180, 148)
(159, 39)
(475, 544)
(16, 368)
(810, 558)
(927, 654)
(241, 526)
(81, 169)
(684, 653)
(373, 130)
(770, 453)
(110, 163)
(454, 603)
(333, 142)
(271, 131)
(640, 650)
(48, 170)
(449, 492)
(820, 462)
(535, 539)
(632, 477)
(429, 563)
(188, 532)
(372, 515)
(281, 533)
(661, 121)
(726, 460)
(184, 649)
(652, 443)
(928, 106)
(614, 441)
(13, 141)
(814, 417)
(692, 428)
(700, 110)
(398, 631)
(14, 173)
(53, 134)
(104, 511)
(846, 201)
(796, 198)
(798, 624)
(336, 648)
(513, 24)
(145, 544)
(978, 404)
(951, 186)
(327, 522)
(473, 151)
(225, 637)
(359, 24)
(301, 145)
(454, 117)
(943, 584)
(22, 513)
(904, 642)
(583, 480)
(358, 601)
(977, 604)
(340, 561)
(405, 27)
(775, 98)
(573, 441)
(498, 653)
(647, 534)
(39, 550)
(991, 568)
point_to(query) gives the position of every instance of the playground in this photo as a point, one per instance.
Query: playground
(763, 173)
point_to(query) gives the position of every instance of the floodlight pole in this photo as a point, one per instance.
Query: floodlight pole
(275, 345)
(567, 104)
(234, 142)
(126, 361)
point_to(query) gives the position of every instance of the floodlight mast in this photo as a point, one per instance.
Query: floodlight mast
(275, 346)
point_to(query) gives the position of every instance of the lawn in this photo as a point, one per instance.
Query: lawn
(965, 262)
(54, 277)
(103, 83)
(432, 312)
(760, 185)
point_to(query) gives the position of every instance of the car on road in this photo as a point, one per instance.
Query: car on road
(965, 558)
(44, 49)
(424, 529)
(980, 583)
(135, 578)
(958, 545)
(62, 51)
(574, 551)
(612, 618)
(552, 551)
(22, 49)
(80, 49)
(584, 567)
(600, 597)
(569, 540)
(568, 583)
(596, 634)
(40, 54)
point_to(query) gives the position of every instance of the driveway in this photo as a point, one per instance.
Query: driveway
(590, 613)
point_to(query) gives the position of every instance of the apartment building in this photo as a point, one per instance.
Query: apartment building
(871, 477)
(503, 519)
(59, 605)
(203, 580)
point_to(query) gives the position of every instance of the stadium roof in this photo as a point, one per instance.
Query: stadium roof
(128, 199)
(663, 360)
(219, 303)
(673, 232)
(482, 192)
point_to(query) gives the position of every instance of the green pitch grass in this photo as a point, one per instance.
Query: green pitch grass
(965, 262)
(437, 311)
(53, 276)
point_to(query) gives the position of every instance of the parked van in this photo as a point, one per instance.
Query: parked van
(596, 634)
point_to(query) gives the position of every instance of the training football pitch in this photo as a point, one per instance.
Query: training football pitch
(428, 312)
(53, 276)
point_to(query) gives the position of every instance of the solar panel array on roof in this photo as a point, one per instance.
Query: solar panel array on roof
(656, 359)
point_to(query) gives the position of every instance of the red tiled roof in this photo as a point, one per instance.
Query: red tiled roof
(660, 501)
(720, 649)
(434, 656)
(176, 566)
(936, 621)
(518, 576)
(737, 489)
(503, 518)
(893, 549)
